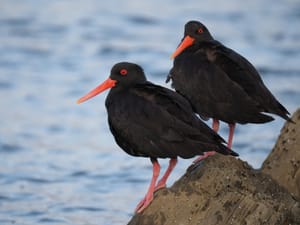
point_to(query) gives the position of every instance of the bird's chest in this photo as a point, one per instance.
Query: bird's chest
(188, 72)
(120, 110)
(127, 113)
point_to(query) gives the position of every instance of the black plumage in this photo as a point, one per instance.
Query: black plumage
(148, 120)
(220, 83)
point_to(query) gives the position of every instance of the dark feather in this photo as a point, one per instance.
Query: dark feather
(212, 93)
(161, 121)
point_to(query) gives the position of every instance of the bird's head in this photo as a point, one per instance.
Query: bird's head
(194, 32)
(122, 75)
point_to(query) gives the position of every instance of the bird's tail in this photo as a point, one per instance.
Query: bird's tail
(226, 151)
(281, 111)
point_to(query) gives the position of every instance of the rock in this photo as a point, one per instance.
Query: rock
(225, 190)
(283, 163)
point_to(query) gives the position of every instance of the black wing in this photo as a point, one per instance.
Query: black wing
(241, 71)
(211, 92)
(153, 121)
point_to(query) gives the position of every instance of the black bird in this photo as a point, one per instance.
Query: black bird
(148, 120)
(220, 83)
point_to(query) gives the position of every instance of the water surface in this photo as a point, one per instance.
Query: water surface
(59, 162)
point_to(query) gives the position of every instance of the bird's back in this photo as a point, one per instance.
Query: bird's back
(241, 71)
(152, 121)
(211, 91)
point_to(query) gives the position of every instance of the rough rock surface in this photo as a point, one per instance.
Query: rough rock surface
(283, 163)
(225, 190)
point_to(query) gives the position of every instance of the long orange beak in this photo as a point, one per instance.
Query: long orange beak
(109, 83)
(187, 41)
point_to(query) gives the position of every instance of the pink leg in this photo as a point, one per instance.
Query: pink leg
(216, 125)
(149, 196)
(162, 182)
(204, 156)
(230, 137)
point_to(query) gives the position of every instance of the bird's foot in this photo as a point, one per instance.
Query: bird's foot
(204, 156)
(144, 203)
(159, 185)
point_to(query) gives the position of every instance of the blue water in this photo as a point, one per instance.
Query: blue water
(59, 162)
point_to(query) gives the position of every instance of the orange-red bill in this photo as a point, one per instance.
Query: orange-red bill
(187, 41)
(109, 83)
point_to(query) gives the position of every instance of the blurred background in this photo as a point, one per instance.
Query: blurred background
(59, 163)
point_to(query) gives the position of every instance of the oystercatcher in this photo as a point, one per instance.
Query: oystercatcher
(220, 83)
(148, 120)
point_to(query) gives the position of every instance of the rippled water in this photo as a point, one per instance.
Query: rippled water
(59, 162)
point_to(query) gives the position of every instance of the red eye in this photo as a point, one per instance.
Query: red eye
(200, 30)
(123, 72)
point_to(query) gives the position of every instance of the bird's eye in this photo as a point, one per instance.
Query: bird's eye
(123, 72)
(200, 30)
